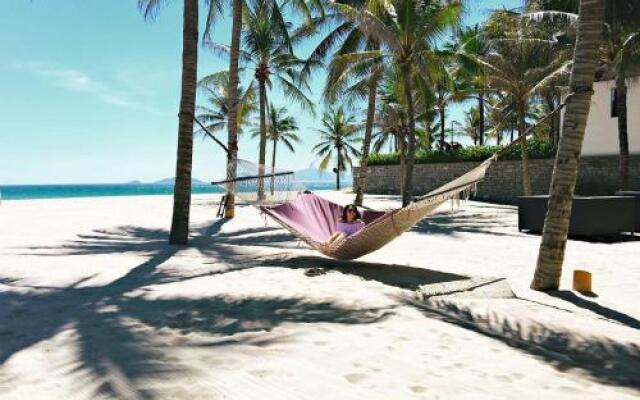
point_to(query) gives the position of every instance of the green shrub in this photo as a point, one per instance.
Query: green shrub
(537, 149)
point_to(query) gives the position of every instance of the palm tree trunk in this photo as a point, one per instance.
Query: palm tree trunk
(551, 105)
(621, 90)
(403, 159)
(411, 150)
(522, 127)
(557, 119)
(481, 122)
(338, 172)
(232, 124)
(441, 110)
(182, 188)
(262, 153)
(361, 182)
(273, 166)
(563, 181)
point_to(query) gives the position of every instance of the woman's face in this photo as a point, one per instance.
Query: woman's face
(351, 214)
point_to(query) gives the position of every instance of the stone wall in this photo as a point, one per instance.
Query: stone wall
(597, 175)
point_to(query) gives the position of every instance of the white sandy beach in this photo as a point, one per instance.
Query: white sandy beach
(95, 304)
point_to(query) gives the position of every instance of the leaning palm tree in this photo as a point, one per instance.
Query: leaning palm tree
(215, 115)
(406, 31)
(565, 170)
(182, 190)
(339, 133)
(280, 128)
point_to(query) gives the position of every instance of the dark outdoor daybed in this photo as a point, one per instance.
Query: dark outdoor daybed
(597, 216)
(636, 195)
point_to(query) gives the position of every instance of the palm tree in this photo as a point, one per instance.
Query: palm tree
(232, 123)
(350, 81)
(563, 181)
(471, 126)
(182, 190)
(357, 80)
(621, 54)
(445, 91)
(406, 31)
(267, 47)
(393, 121)
(216, 116)
(339, 132)
(521, 65)
(280, 128)
(471, 75)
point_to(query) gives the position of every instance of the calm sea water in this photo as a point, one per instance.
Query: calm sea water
(24, 192)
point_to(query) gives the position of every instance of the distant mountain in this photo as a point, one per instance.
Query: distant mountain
(170, 181)
(133, 183)
(313, 174)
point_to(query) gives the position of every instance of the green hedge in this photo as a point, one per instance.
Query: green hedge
(537, 149)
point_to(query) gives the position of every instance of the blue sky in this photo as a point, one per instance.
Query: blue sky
(89, 93)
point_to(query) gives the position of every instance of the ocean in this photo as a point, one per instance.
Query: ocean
(25, 192)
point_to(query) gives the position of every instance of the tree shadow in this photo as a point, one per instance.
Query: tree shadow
(400, 276)
(602, 359)
(111, 322)
(596, 308)
(452, 224)
(610, 239)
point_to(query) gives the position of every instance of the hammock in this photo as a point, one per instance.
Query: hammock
(313, 219)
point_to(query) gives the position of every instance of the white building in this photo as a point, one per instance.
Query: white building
(601, 136)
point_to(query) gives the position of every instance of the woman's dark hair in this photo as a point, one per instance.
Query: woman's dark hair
(347, 208)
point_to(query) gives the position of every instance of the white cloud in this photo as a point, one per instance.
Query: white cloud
(79, 81)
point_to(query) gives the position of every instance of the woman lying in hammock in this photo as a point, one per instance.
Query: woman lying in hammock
(350, 223)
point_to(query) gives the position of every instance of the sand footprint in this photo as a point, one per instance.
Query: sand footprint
(356, 378)
(261, 373)
(418, 389)
(504, 378)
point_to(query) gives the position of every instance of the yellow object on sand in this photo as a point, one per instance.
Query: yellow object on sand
(581, 281)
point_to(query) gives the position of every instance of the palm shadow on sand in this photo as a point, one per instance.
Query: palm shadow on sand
(601, 359)
(112, 326)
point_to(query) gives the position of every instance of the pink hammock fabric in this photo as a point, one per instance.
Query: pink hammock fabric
(313, 216)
